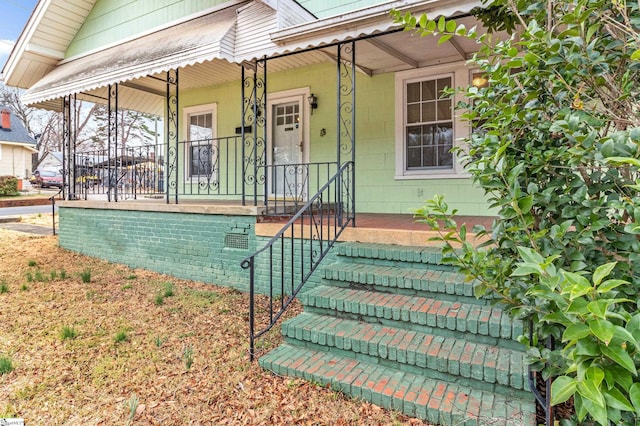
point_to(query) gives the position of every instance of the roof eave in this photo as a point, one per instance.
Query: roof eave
(26, 145)
(22, 43)
(378, 13)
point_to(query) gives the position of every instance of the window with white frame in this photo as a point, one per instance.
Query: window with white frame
(201, 147)
(428, 124)
(426, 127)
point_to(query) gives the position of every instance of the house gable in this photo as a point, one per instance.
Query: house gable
(111, 22)
(324, 8)
(52, 160)
(42, 43)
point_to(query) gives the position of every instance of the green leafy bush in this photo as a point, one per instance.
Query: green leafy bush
(556, 148)
(8, 186)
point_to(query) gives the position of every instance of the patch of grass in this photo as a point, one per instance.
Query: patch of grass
(4, 288)
(127, 287)
(32, 263)
(121, 336)
(30, 391)
(159, 341)
(24, 287)
(131, 405)
(39, 277)
(159, 299)
(6, 365)
(132, 277)
(8, 412)
(187, 356)
(86, 275)
(63, 274)
(200, 298)
(68, 332)
(167, 290)
(29, 277)
(53, 275)
(107, 370)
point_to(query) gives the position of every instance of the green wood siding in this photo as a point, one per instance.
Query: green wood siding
(114, 20)
(325, 8)
(376, 187)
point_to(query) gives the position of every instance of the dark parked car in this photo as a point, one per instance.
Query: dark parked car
(46, 179)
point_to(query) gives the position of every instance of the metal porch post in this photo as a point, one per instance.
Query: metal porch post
(346, 116)
(66, 122)
(112, 140)
(254, 113)
(171, 134)
(69, 126)
(261, 113)
(243, 114)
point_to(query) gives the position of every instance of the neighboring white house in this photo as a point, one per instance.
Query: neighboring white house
(52, 160)
(16, 146)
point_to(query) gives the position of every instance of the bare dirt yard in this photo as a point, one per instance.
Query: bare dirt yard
(87, 342)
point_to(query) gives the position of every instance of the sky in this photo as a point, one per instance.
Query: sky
(14, 14)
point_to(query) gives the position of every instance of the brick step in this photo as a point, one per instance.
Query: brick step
(387, 254)
(481, 324)
(483, 366)
(447, 285)
(436, 401)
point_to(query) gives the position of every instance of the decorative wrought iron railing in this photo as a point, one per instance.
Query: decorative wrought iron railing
(203, 169)
(287, 261)
(288, 186)
(210, 167)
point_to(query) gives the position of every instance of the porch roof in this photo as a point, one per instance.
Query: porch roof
(358, 24)
(210, 49)
(25, 145)
(195, 41)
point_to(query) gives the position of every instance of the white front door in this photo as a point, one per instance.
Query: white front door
(288, 174)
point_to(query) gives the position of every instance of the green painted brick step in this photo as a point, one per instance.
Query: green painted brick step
(411, 254)
(489, 367)
(404, 280)
(484, 324)
(439, 402)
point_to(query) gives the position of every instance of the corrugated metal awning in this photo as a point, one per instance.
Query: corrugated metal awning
(202, 39)
(355, 25)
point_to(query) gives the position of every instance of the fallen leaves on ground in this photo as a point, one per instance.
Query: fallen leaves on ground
(141, 354)
(40, 219)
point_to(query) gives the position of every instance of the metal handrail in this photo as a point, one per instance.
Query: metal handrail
(543, 401)
(53, 207)
(319, 210)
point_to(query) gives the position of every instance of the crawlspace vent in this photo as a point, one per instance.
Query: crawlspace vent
(236, 241)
